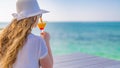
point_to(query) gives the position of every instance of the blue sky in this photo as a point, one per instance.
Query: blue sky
(70, 10)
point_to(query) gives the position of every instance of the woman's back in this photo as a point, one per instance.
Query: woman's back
(33, 50)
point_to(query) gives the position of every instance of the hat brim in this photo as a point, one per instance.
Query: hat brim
(42, 11)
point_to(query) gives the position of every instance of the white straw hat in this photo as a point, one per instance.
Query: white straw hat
(27, 8)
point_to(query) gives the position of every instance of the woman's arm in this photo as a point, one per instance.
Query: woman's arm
(49, 51)
(47, 62)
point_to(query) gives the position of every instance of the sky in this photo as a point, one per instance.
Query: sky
(69, 10)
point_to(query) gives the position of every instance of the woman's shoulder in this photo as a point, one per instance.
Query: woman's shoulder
(34, 37)
(35, 40)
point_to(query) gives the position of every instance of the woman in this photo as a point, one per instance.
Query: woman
(19, 48)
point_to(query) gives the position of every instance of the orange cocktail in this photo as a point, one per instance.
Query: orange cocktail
(41, 25)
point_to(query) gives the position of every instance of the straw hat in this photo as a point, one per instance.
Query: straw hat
(27, 8)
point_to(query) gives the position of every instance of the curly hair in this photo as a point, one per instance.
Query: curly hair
(13, 38)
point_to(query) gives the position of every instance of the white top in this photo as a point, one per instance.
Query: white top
(33, 50)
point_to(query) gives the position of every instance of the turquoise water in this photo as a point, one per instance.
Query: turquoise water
(100, 39)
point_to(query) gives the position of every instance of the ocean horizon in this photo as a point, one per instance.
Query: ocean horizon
(95, 38)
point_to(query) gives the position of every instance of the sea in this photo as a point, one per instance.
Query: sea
(94, 38)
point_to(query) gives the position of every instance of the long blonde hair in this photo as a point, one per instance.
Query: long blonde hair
(12, 39)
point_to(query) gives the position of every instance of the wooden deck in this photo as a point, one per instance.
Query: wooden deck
(80, 60)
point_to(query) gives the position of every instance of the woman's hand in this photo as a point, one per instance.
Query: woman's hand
(45, 36)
